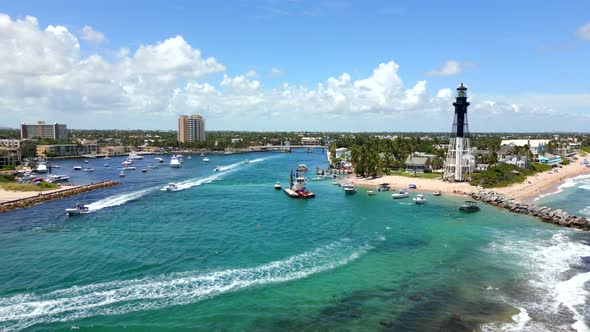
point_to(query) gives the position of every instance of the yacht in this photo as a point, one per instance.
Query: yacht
(77, 168)
(78, 209)
(278, 185)
(206, 159)
(57, 178)
(41, 168)
(400, 194)
(419, 199)
(158, 159)
(174, 162)
(349, 189)
(170, 187)
(469, 206)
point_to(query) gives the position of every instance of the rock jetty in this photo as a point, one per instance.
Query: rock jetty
(43, 197)
(557, 217)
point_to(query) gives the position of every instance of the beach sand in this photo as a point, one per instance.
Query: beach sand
(6, 196)
(429, 185)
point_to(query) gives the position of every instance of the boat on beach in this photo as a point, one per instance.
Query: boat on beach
(419, 199)
(400, 194)
(78, 209)
(469, 206)
(411, 186)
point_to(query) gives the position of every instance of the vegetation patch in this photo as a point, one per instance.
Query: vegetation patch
(13, 186)
(504, 175)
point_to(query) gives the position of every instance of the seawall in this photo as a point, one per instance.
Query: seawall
(43, 197)
(554, 216)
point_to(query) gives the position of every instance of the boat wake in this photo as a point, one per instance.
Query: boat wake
(149, 293)
(197, 182)
(555, 281)
(230, 167)
(119, 199)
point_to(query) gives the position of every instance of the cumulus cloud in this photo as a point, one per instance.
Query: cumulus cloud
(275, 71)
(89, 34)
(450, 68)
(251, 73)
(584, 31)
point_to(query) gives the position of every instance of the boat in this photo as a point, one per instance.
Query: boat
(246, 161)
(78, 209)
(335, 182)
(206, 159)
(153, 166)
(174, 162)
(436, 193)
(189, 157)
(277, 185)
(218, 169)
(297, 189)
(469, 206)
(419, 199)
(88, 169)
(202, 154)
(411, 186)
(54, 166)
(107, 157)
(41, 168)
(370, 192)
(134, 156)
(127, 162)
(384, 187)
(318, 178)
(170, 187)
(349, 189)
(301, 168)
(77, 168)
(400, 194)
(86, 161)
(130, 168)
(158, 159)
(107, 165)
(57, 178)
(122, 173)
(144, 170)
(180, 158)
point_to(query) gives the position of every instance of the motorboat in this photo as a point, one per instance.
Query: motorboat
(77, 168)
(202, 154)
(54, 166)
(158, 159)
(335, 182)
(218, 169)
(57, 178)
(246, 161)
(302, 168)
(371, 192)
(298, 186)
(411, 186)
(206, 159)
(134, 156)
(122, 173)
(278, 185)
(130, 168)
(189, 157)
(107, 157)
(144, 170)
(318, 178)
(400, 194)
(384, 187)
(349, 189)
(78, 209)
(127, 162)
(41, 168)
(88, 169)
(174, 162)
(170, 187)
(107, 165)
(153, 166)
(419, 199)
(86, 161)
(436, 193)
(180, 158)
(469, 206)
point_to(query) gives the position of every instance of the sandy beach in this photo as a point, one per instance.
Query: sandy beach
(532, 187)
(6, 196)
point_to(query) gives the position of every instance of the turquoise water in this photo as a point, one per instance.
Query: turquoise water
(228, 252)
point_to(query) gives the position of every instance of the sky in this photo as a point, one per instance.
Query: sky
(324, 65)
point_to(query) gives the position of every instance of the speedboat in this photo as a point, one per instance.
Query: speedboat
(370, 192)
(206, 159)
(469, 206)
(174, 162)
(158, 159)
(383, 187)
(106, 157)
(57, 178)
(122, 173)
(78, 209)
(400, 194)
(153, 166)
(436, 193)
(419, 199)
(107, 165)
(218, 169)
(77, 168)
(170, 187)
(349, 189)
(246, 161)
(88, 169)
(277, 185)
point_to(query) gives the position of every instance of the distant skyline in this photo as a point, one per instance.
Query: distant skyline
(324, 65)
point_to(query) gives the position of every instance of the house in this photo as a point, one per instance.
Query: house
(536, 146)
(418, 164)
(520, 162)
(342, 153)
(481, 167)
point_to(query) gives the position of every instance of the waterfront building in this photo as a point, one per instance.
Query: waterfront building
(67, 150)
(191, 128)
(9, 156)
(460, 162)
(10, 143)
(310, 141)
(41, 130)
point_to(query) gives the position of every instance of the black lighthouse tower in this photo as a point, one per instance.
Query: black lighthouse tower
(459, 159)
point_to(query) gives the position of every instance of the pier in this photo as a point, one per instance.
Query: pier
(44, 197)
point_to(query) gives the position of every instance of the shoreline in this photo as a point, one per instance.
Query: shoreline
(426, 185)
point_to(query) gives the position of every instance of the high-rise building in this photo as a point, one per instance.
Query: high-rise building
(191, 128)
(460, 162)
(41, 130)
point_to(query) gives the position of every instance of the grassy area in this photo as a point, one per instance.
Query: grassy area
(504, 175)
(7, 183)
(418, 175)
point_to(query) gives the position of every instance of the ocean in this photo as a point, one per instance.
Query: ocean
(228, 252)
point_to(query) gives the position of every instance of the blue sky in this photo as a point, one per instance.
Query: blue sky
(523, 61)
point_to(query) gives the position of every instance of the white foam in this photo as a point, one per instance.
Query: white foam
(197, 182)
(229, 167)
(585, 211)
(119, 199)
(571, 182)
(573, 295)
(120, 297)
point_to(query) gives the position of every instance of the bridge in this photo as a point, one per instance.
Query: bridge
(285, 147)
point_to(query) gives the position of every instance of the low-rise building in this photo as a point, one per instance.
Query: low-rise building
(9, 156)
(112, 150)
(310, 141)
(10, 143)
(418, 164)
(66, 150)
(343, 154)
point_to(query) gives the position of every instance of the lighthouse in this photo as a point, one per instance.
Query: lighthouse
(460, 162)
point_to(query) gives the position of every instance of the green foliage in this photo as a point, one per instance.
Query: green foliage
(28, 149)
(8, 167)
(6, 178)
(540, 167)
(504, 175)
(417, 175)
(565, 161)
(13, 186)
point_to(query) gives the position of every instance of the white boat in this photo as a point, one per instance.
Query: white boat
(134, 156)
(41, 168)
(57, 178)
(246, 161)
(158, 159)
(77, 168)
(153, 166)
(349, 189)
(130, 168)
(384, 187)
(180, 158)
(335, 182)
(218, 169)
(370, 192)
(107, 165)
(78, 209)
(174, 162)
(400, 194)
(86, 161)
(88, 169)
(107, 157)
(122, 173)
(189, 157)
(206, 159)
(277, 185)
(302, 168)
(436, 193)
(318, 178)
(127, 162)
(54, 166)
(419, 199)
(202, 154)
(170, 187)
